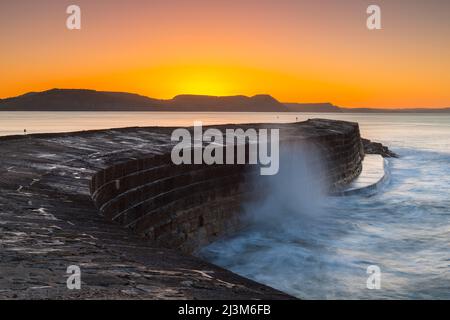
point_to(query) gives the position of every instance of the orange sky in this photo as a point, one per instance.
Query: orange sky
(302, 51)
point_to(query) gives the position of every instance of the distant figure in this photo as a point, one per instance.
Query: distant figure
(296, 118)
(24, 131)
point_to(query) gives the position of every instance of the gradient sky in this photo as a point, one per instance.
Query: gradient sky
(302, 51)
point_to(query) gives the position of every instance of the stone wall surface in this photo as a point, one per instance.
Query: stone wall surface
(152, 213)
(186, 206)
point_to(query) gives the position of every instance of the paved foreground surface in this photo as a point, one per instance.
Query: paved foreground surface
(48, 222)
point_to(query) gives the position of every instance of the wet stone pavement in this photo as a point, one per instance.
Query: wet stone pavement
(48, 222)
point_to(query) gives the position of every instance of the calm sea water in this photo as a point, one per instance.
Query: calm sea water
(12, 123)
(404, 229)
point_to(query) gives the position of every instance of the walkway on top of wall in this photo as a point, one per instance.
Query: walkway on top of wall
(374, 174)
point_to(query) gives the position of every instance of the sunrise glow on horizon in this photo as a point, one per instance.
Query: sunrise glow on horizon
(294, 50)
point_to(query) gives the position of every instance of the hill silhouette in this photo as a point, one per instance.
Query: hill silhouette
(312, 107)
(260, 103)
(77, 100)
(91, 100)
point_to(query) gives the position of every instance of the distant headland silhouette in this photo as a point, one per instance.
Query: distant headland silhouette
(91, 100)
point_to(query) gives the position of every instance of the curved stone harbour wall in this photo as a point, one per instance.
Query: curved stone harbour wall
(174, 206)
(49, 221)
(187, 206)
